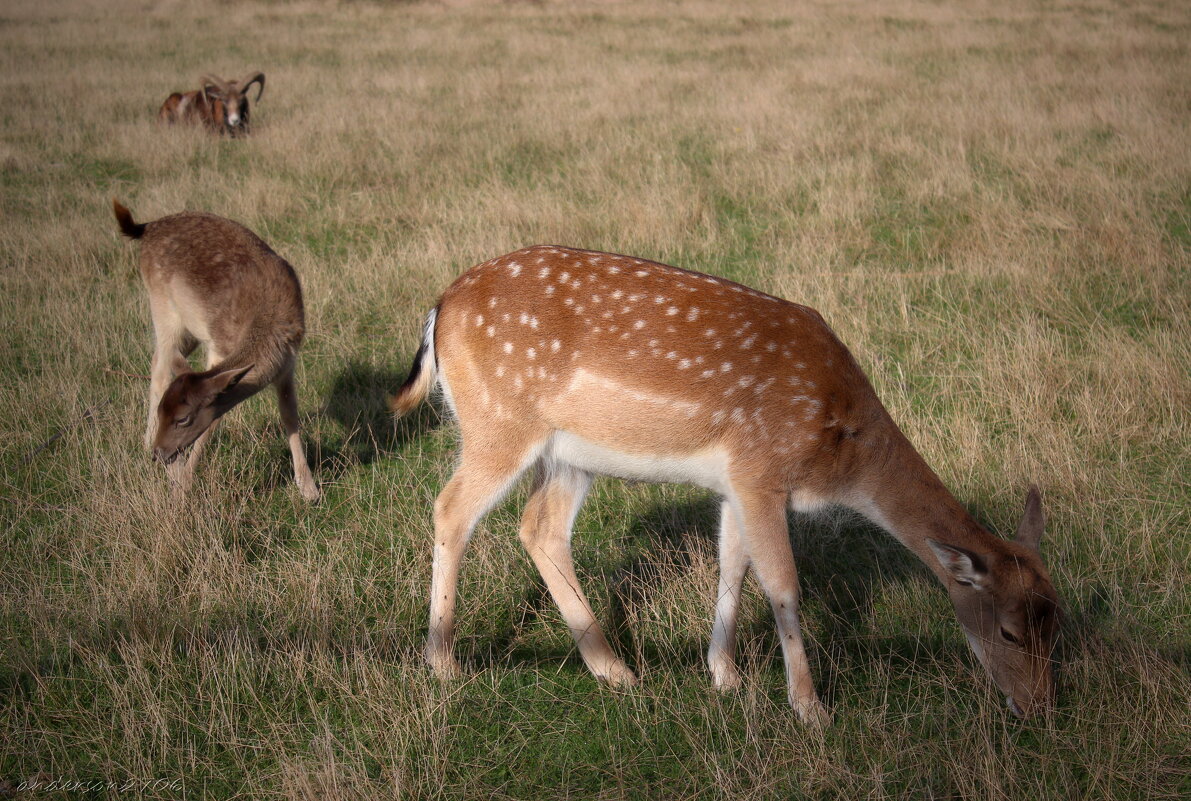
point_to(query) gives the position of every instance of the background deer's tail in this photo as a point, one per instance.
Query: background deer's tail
(130, 229)
(423, 375)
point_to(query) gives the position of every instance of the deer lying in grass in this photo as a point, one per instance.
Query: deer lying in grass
(213, 282)
(576, 363)
(222, 106)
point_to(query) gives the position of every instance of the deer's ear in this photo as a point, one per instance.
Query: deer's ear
(1029, 531)
(966, 567)
(216, 385)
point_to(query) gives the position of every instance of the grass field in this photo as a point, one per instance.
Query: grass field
(989, 201)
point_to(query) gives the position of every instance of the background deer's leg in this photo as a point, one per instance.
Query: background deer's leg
(287, 400)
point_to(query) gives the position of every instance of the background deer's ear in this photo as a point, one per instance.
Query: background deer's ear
(219, 383)
(1029, 531)
(965, 566)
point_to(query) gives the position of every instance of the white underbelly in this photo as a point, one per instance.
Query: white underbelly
(706, 468)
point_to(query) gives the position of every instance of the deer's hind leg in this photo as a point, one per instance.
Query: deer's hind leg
(287, 400)
(491, 462)
(546, 535)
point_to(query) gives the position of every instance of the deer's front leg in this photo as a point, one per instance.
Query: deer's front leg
(734, 562)
(762, 518)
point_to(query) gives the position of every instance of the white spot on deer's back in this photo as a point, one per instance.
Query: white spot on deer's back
(764, 385)
(508, 347)
(479, 320)
(514, 269)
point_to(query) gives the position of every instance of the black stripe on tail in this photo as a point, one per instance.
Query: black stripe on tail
(130, 229)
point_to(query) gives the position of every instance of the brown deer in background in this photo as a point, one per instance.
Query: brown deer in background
(576, 363)
(213, 282)
(222, 106)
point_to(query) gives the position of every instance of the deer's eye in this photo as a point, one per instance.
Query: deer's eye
(184, 421)
(1009, 637)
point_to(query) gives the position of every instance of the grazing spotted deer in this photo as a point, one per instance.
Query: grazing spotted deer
(213, 282)
(578, 363)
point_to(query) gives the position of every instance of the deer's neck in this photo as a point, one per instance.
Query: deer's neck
(906, 498)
